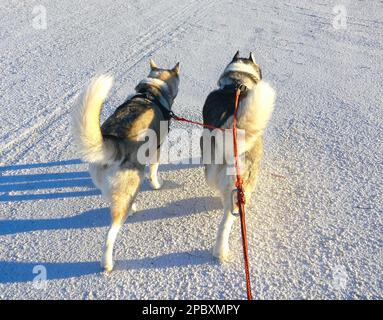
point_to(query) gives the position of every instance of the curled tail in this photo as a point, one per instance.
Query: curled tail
(86, 122)
(258, 107)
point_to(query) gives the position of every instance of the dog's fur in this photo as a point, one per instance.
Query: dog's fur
(112, 150)
(254, 111)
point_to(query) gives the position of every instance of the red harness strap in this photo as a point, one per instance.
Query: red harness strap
(238, 184)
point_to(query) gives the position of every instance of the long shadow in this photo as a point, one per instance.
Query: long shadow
(40, 165)
(101, 217)
(34, 183)
(29, 183)
(59, 181)
(11, 272)
(29, 186)
(5, 179)
(165, 167)
(16, 272)
(47, 196)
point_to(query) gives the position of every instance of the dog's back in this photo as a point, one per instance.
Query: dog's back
(219, 106)
(127, 126)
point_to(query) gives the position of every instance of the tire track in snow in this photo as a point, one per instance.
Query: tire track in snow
(141, 47)
(20, 132)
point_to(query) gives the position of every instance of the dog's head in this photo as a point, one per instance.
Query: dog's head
(162, 83)
(241, 70)
(170, 76)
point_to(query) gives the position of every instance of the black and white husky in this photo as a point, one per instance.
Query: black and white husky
(112, 150)
(254, 111)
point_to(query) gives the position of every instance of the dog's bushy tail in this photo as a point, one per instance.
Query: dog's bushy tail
(86, 121)
(258, 107)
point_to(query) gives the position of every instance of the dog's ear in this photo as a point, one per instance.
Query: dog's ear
(252, 57)
(153, 65)
(236, 57)
(176, 68)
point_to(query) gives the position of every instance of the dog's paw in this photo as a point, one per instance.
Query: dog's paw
(132, 210)
(107, 266)
(223, 255)
(156, 183)
(134, 207)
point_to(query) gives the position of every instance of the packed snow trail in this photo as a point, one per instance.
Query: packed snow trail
(315, 223)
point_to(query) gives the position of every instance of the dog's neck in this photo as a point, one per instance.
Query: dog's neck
(158, 88)
(239, 72)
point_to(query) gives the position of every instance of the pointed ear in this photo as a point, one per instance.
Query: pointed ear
(153, 65)
(236, 57)
(252, 57)
(176, 68)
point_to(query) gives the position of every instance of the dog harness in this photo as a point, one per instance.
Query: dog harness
(152, 98)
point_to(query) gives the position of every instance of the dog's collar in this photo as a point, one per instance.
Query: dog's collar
(164, 97)
(241, 68)
(235, 86)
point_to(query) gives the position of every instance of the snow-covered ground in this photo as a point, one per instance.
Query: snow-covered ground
(315, 225)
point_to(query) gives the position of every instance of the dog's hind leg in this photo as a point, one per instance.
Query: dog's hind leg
(155, 181)
(221, 249)
(125, 187)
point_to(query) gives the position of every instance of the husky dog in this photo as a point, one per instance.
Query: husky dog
(255, 107)
(112, 150)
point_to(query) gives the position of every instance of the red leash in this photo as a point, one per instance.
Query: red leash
(181, 119)
(241, 198)
(238, 184)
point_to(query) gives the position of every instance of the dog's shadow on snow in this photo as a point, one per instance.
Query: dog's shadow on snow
(11, 272)
(14, 272)
(45, 186)
(101, 218)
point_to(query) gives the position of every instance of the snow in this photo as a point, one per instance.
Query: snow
(315, 224)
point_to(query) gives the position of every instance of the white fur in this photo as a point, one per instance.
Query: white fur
(241, 67)
(254, 113)
(86, 122)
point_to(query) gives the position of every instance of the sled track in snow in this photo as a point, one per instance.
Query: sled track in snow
(175, 24)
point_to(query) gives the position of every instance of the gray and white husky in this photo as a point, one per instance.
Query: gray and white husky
(112, 150)
(256, 105)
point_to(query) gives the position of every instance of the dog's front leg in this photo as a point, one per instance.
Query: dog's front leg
(155, 181)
